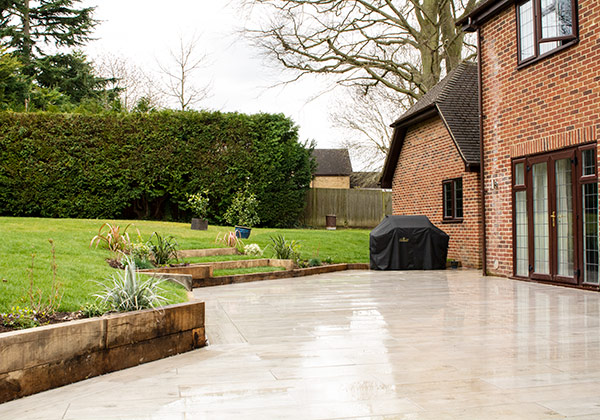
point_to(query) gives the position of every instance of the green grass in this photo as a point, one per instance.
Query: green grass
(249, 270)
(80, 267)
(218, 258)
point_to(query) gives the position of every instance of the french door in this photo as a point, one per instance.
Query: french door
(555, 209)
(552, 217)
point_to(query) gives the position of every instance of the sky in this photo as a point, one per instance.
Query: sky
(143, 32)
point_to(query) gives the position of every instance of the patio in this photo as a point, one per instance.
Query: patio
(407, 345)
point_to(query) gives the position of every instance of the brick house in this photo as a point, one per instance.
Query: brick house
(540, 85)
(333, 168)
(433, 162)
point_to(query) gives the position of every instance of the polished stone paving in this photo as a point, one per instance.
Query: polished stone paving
(387, 345)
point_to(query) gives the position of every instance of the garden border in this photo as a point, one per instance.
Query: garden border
(42, 358)
(273, 275)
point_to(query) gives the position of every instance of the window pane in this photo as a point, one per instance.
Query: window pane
(541, 236)
(589, 163)
(447, 200)
(522, 234)
(548, 46)
(458, 198)
(526, 30)
(565, 252)
(557, 18)
(590, 233)
(520, 174)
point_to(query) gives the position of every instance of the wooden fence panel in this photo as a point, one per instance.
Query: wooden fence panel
(352, 207)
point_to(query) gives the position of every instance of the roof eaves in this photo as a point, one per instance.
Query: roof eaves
(421, 115)
(482, 13)
(400, 126)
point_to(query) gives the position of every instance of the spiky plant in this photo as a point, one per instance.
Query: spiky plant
(126, 291)
(283, 249)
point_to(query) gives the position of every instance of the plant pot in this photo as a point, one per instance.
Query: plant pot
(242, 232)
(453, 264)
(330, 221)
(199, 224)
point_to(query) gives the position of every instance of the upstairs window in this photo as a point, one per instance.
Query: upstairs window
(453, 200)
(544, 26)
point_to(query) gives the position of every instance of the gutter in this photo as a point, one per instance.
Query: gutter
(481, 154)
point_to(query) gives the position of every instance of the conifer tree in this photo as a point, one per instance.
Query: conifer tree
(29, 26)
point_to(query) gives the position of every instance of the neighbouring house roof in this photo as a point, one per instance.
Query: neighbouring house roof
(332, 162)
(365, 179)
(483, 11)
(455, 100)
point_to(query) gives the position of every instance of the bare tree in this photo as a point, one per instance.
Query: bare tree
(134, 84)
(179, 72)
(404, 45)
(365, 117)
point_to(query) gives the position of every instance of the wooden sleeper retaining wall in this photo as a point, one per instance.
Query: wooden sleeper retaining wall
(47, 357)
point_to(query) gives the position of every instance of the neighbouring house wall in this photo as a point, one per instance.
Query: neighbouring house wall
(428, 157)
(548, 105)
(331, 182)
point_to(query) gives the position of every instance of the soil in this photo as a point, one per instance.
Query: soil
(56, 318)
(185, 264)
(115, 263)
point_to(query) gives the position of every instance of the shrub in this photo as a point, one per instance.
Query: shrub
(141, 166)
(92, 309)
(198, 203)
(285, 250)
(112, 238)
(243, 210)
(231, 240)
(140, 254)
(125, 291)
(163, 249)
(314, 262)
(253, 249)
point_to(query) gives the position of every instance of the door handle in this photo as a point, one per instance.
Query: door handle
(553, 216)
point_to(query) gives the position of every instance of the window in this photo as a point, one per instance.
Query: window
(453, 199)
(556, 224)
(544, 26)
(589, 206)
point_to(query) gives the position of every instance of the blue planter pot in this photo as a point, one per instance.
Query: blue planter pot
(242, 232)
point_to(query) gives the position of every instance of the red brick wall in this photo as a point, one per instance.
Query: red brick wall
(545, 106)
(427, 158)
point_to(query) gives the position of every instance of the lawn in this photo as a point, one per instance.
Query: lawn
(80, 267)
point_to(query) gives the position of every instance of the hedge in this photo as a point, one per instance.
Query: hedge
(142, 165)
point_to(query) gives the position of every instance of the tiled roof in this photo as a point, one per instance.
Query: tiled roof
(482, 12)
(456, 99)
(332, 162)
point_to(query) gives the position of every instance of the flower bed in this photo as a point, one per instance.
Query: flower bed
(47, 357)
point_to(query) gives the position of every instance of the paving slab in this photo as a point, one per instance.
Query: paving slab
(442, 345)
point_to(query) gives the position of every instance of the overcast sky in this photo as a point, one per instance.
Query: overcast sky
(143, 31)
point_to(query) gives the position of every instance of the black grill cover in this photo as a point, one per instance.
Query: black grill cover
(408, 243)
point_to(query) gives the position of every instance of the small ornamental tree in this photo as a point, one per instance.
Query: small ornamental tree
(243, 210)
(198, 203)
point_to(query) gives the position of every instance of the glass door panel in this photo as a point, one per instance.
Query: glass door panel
(522, 234)
(563, 219)
(590, 233)
(541, 234)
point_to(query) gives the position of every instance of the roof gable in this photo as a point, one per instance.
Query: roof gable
(455, 100)
(332, 162)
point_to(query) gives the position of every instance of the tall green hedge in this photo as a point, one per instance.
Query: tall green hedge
(142, 165)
